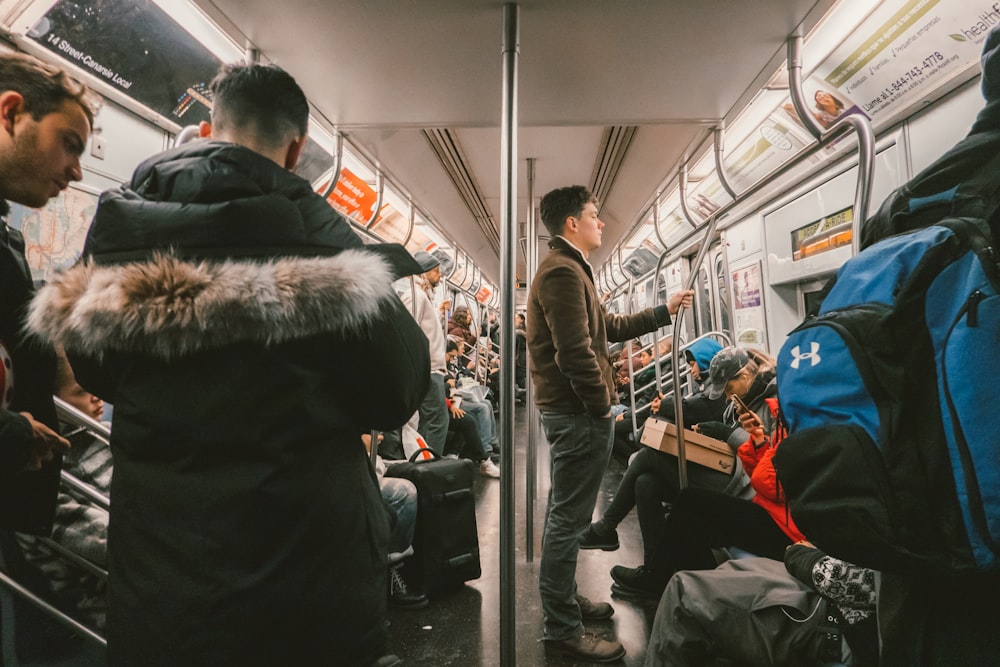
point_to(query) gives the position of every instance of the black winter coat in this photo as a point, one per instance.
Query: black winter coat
(245, 352)
(27, 499)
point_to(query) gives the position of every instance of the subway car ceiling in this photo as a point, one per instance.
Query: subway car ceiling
(615, 96)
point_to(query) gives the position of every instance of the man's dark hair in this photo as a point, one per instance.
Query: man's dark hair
(261, 100)
(452, 346)
(562, 203)
(44, 87)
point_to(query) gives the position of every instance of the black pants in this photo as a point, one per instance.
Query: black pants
(703, 519)
(650, 481)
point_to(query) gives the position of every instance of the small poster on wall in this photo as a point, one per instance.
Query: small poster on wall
(748, 306)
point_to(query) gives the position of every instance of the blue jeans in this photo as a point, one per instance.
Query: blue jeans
(579, 448)
(433, 424)
(401, 495)
(482, 414)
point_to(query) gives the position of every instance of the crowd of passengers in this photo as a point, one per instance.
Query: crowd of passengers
(340, 538)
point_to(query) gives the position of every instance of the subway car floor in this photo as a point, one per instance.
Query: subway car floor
(463, 627)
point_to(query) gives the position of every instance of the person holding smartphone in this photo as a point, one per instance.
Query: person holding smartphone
(704, 519)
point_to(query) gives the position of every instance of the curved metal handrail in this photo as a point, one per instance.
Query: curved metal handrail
(335, 171)
(379, 198)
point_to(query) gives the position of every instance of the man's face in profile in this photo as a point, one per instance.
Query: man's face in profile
(43, 156)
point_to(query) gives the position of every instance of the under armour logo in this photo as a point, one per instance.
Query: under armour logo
(812, 355)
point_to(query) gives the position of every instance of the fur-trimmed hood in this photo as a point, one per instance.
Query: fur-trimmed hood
(169, 308)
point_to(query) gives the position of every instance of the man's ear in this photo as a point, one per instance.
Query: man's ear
(294, 152)
(204, 129)
(11, 104)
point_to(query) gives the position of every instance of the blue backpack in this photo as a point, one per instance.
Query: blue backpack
(893, 457)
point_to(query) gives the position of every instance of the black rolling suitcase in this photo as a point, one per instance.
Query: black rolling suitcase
(446, 540)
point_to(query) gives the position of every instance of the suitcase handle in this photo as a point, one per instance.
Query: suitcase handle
(457, 494)
(461, 560)
(434, 455)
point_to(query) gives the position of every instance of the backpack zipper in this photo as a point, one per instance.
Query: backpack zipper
(971, 309)
(971, 479)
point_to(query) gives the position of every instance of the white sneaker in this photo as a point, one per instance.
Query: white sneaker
(453, 457)
(489, 469)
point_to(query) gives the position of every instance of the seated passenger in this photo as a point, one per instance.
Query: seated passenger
(651, 482)
(80, 526)
(622, 376)
(400, 497)
(470, 445)
(697, 407)
(705, 516)
(475, 402)
(458, 328)
(758, 611)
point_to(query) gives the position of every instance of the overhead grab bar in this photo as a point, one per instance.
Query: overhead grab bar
(335, 172)
(656, 221)
(857, 122)
(840, 128)
(409, 227)
(621, 267)
(380, 188)
(795, 87)
(718, 136)
(682, 180)
(866, 159)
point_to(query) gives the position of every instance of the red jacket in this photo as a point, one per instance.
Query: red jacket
(757, 461)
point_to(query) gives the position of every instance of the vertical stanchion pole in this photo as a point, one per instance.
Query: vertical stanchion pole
(531, 456)
(508, 245)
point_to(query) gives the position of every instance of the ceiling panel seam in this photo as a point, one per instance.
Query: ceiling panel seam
(449, 152)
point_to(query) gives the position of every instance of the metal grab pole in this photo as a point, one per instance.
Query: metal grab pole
(508, 245)
(678, 318)
(531, 456)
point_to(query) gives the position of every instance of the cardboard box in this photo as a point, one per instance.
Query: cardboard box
(700, 449)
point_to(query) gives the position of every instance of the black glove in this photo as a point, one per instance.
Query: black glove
(716, 430)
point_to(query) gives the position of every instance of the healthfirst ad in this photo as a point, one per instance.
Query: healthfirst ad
(901, 52)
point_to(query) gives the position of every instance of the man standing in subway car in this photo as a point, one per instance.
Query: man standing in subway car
(568, 333)
(45, 120)
(243, 335)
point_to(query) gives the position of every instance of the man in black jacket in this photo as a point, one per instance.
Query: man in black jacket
(242, 333)
(45, 120)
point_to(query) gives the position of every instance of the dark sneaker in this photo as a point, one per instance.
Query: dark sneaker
(589, 647)
(592, 539)
(621, 593)
(400, 596)
(639, 581)
(591, 611)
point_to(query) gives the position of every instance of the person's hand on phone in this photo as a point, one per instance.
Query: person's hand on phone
(751, 424)
(654, 405)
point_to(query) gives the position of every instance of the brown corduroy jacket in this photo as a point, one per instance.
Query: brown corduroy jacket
(568, 334)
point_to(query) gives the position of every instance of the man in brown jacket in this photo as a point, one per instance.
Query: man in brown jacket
(568, 333)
